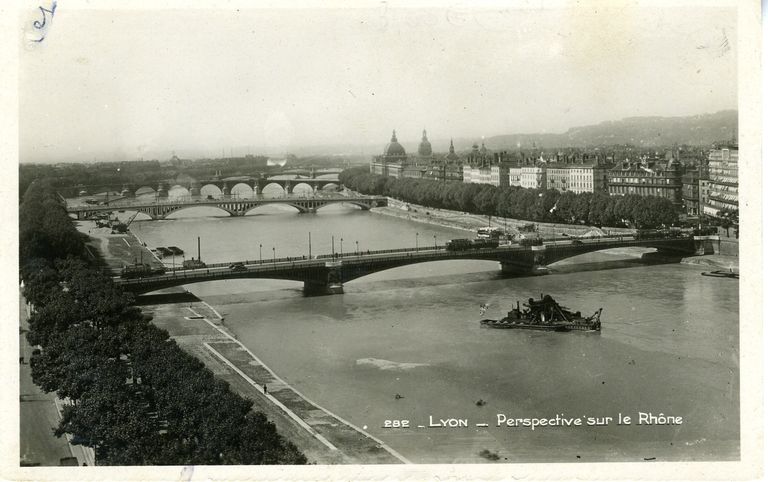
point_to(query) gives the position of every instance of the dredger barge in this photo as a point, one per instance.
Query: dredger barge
(547, 315)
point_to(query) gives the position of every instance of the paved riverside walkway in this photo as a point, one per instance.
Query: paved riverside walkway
(322, 436)
(40, 413)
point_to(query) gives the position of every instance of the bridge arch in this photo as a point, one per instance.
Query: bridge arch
(346, 204)
(273, 188)
(297, 207)
(302, 188)
(242, 190)
(210, 190)
(178, 191)
(141, 215)
(175, 209)
(554, 254)
(145, 190)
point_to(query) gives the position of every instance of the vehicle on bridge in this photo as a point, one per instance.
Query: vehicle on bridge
(237, 267)
(140, 271)
(193, 264)
(490, 233)
(545, 314)
(485, 243)
(530, 241)
(458, 244)
(463, 244)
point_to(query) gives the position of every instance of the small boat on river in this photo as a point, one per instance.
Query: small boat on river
(547, 315)
(721, 274)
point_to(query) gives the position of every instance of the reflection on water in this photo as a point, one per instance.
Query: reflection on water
(669, 343)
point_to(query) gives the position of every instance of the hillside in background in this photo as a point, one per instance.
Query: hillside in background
(697, 130)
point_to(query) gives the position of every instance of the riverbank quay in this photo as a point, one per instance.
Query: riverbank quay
(198, 329)
(116, 250)
(472, 222)
(322, 436)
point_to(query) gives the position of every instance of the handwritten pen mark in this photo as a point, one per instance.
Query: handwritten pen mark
(39, 25)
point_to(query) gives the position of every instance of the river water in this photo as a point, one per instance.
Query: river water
(669, 343)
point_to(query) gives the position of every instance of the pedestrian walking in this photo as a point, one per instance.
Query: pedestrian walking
(265, 389)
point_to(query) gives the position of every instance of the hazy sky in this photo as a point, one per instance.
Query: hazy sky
(129, 84)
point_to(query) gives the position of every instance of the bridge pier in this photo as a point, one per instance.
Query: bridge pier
(162, 191)
(326, 282)
(525, 263)
(517, 269)
(127, 192)
(314, 288)
(707, 244)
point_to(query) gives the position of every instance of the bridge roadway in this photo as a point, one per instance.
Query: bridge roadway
(233, 206)
(326, 274)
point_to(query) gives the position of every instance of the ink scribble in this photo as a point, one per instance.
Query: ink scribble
(40, 24)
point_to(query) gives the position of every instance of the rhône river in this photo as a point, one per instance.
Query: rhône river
(669, 343)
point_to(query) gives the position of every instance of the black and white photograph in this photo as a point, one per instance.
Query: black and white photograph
(476, 239)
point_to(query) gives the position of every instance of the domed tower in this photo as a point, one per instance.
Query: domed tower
(425, 148)
(474, 156)
(451, 153)
(394, 150)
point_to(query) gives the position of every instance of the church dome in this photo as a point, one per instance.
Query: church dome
(394, 149)
(425, 147)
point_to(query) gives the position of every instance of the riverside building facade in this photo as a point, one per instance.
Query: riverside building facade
(482, 167)
(722, 185)
(650, 177)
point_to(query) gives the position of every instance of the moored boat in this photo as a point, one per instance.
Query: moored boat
(546, 315)
(721, 274)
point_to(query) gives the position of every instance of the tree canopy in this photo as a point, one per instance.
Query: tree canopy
(136, 397)
(540, 205)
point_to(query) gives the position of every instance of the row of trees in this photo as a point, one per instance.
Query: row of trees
(598, 209)
(136, 397)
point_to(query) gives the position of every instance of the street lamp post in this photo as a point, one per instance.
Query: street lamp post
(310, 245)
(357, 248)
(259, 253)
(434, 236)
(341, 248)
(417, 241)
(274, 259)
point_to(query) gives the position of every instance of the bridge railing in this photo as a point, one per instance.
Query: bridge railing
(269, 264)
(354, 254)
(359, 253)
(262, 261)
(182, 275)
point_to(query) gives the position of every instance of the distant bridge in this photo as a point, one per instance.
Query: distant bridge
(327, 274)
(225, 186)
(233, 206)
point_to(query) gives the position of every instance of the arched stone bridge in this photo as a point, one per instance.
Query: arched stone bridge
(326, 274)
(256, 185)
(235, 207)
